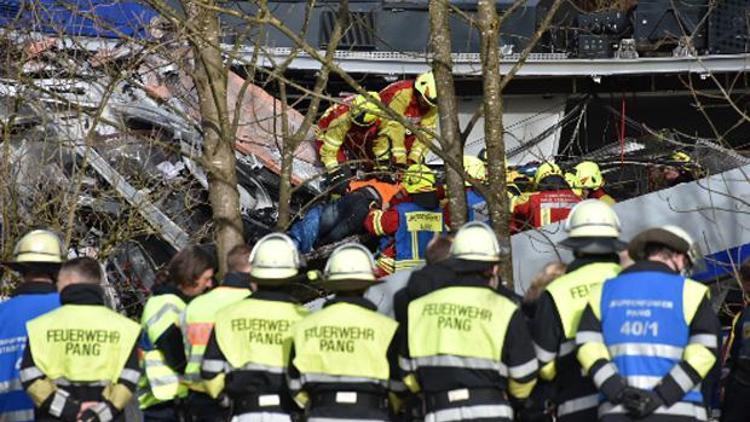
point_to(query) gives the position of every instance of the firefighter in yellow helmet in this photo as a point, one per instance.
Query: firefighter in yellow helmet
(465, 344)
(589, 182)
(416, 101)
(248, 350)
(475, 202)
(593, 231)
(347, 376)
(552, 200)
(36, 257)
(648, 337)
(352, 130)
(413, 219)
(81, 361)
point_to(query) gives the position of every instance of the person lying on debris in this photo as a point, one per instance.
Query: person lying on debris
(405, 229)
(679, 168)
(331, 222)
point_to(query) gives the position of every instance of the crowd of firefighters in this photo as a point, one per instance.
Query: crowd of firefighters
(423, 330)
(441, 341)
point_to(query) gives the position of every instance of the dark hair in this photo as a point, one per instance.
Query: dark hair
(439, 249)
(186, 267)
(87, 269)
(238, 258)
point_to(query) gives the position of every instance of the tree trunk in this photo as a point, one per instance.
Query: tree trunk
(450, 136)
(497, 201)
(210, 79)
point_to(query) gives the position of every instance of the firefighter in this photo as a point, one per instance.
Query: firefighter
(416, 101)
(248, 351)
(350, 131)
(344, 358)
(736, 407)
(407, 227)
(196, 322)
(163, 360)
(465, 345)
(648, 337)
(81, 362)
(593, 230)
(476, 204)
(551, 202)
(589, 182)
(37, 257)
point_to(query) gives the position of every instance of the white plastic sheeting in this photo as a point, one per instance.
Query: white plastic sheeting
(524, 118)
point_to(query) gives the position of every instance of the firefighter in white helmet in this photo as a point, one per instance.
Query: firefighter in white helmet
(455, 333)
(247, 353)
(648, 337)
(37, 258)
(347, 376)
(593, 235)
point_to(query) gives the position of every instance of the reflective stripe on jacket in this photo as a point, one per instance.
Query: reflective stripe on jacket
(645, 327)
(197, 322)
(15, 405)
(160, 382)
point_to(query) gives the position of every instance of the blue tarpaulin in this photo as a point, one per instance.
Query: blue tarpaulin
(92, 18)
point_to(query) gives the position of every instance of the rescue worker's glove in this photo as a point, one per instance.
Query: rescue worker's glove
(640, 403)
(102, 411)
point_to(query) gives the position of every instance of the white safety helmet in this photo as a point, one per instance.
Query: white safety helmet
(670, 236)
(592, 218)
(40, 249)
(350, 267)
(475, 241)
(274, 260)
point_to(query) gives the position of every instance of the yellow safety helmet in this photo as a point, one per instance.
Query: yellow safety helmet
(418, 178)
(475, 168)
(680, 157)
(37, 248)
(475, 241)
(589, 176)
(274, 260)
(363, 112)
(425, 85)
(546, 169)
(350, 267)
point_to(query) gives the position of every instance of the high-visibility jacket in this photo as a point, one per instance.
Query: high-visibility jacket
(15, 405)
(603, 196)
(417, 226)
(253, 335)
(340, 140)
(197, 322)
(82, 343)
(652, 329)
(401, 97)
(159, 383)
(466, 337)
(554, 330)
(342, 344)
(541, 208)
